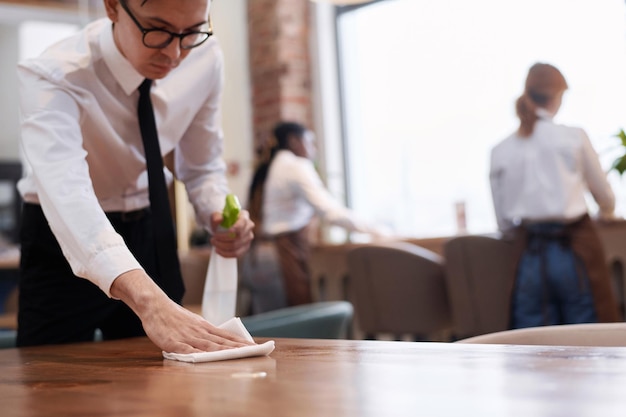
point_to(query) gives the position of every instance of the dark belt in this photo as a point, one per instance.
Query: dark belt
(128, 216)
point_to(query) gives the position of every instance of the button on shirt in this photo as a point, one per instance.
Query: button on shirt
(294, 193)
(544, 177)
(83, 148)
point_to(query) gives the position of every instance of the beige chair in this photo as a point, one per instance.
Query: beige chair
(479, 277)
(591, 334)
(398, 289)
(193, 267)
(194, 264)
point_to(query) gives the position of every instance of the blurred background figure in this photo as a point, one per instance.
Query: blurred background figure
(286, 194)
(539, 176)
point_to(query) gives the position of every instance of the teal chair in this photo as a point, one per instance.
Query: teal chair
(7, 339)
(320, 320)
(323, 320)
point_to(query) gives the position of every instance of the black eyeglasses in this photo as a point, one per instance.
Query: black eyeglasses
(160, 38)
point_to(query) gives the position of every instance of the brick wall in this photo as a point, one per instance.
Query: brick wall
(279, 64)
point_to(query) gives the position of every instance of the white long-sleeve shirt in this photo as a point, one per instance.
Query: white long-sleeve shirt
(544, 177)
(83, 148)
(294, 193)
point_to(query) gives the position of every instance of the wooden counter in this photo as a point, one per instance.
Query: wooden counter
(305, 377)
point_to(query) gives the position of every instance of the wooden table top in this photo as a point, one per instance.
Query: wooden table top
(305, 377)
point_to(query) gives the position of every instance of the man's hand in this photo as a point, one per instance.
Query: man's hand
(233, 242)
(170, 326)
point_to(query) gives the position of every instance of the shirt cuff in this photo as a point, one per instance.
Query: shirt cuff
(110, 264)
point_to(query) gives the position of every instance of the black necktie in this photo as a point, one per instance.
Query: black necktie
(169, 276)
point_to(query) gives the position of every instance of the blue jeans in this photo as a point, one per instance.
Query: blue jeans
(552, 285)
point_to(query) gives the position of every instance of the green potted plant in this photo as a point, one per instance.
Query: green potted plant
(619, 164)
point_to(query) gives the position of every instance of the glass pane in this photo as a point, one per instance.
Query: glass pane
(429, 87)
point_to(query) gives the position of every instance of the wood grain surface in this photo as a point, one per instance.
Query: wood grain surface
(305, 377)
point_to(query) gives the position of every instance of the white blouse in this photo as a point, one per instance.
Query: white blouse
(545, 176)
(294, 193)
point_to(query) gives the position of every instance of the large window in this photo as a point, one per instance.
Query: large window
(429, 87)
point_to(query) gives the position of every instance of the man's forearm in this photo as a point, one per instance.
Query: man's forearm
(138, 291)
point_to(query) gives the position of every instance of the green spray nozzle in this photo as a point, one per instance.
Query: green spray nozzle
(231, 211)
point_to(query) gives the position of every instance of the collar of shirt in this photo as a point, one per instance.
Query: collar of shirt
(123, 71)
(544, 114)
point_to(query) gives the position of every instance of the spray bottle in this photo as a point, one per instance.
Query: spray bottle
(219, 300)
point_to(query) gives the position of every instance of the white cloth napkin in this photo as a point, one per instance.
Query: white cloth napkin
(235, 326)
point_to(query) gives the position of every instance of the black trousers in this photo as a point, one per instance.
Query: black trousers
(55, 306)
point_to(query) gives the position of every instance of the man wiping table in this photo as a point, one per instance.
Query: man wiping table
(99, 110)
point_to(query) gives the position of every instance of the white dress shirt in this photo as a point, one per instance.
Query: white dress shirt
(83, 148)
(544, 177)
(294, 193)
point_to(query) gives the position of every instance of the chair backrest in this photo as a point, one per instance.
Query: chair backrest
(398, 288)
(479, 277)
(323, 320)
(590, 334)
(193, 267)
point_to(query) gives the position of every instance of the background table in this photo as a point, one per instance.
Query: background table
(305, 377)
